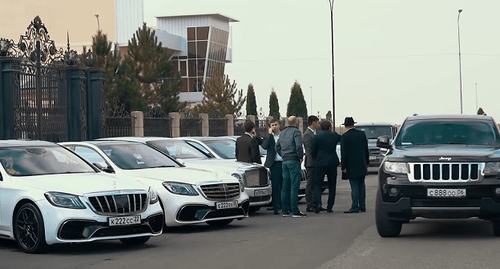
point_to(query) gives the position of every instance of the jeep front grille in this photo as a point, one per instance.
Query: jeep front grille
(221, 191)
(119, 203)
(256, 177)
(456, 172)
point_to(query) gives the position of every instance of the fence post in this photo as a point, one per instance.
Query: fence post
(95, 82)
(204, 124)
(230, 124)
(176, 123)
(301, 124)
(74, 105)
(137, 118)
(6, 99)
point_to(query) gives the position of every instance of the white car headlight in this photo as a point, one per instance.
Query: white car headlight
(180, 188)
(242, 186)
(491, 169)
(153, 196)
(396, 168)
(65, 200)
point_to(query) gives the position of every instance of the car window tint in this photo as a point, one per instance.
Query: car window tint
(40, 160)
(475, 133)
(136, 156)
(199, 147)
(225, 148)
(90, 155)
(373, 132)
(178, 149)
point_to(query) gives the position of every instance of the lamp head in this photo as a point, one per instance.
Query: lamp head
(460, 11)
(97, 14)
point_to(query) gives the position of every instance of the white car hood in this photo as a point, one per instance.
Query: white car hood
(180, 174)
(80, 183)
(217, 165)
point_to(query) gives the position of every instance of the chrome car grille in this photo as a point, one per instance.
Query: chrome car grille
(256, 177)
(119, 203)
(449, 172)
(221, 191)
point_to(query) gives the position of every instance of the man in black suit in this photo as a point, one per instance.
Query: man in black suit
(247, 146)
(354, 148)
(324, 149)
(308, 138)
(274, 162)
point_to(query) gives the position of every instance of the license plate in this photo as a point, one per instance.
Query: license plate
(261, 193)
(372, 157)
(446, 193)
(122, 221)
(224, 205)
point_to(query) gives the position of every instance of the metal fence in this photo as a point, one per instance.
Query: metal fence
(191, 127)
(217, 127)
(157, 123)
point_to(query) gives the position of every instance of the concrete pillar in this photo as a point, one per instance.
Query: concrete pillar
(301, 124)
(137, 123)
(230, 124)
(176, 123)
(204, 124)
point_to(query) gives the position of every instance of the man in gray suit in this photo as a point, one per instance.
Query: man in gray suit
(355, 158)
(308, 138)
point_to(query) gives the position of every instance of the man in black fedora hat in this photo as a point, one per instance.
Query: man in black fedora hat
(354, 150)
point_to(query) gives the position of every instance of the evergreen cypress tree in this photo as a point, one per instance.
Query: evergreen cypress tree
(101, 47)
(274, 106)
(251, 101)
(221, 97)
(153, 70)
(296, 105)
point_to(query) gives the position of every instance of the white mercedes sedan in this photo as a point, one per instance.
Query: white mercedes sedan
(50, 195)
(187, 195)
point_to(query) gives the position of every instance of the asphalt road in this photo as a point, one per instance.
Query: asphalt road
(334, 240)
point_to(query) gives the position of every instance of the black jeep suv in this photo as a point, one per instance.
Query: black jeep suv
(441, 166)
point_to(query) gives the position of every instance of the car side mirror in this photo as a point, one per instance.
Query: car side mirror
(384, 142)
(107, 169)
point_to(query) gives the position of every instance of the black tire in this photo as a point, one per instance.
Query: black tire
(496, 227)
(222, 222)
(29, 230)
(385, 226)
(253, 209)
(134, 241)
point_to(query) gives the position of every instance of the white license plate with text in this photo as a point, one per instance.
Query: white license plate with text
(446, 193)
(224, 205)
(261, 193)
(122, 221)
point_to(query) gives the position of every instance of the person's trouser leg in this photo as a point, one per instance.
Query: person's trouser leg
(276, 182)
(285, 190)
(362, 194)
(319, 175)
(310, 187)
(332, 185)
(354, 194)
(295, 176)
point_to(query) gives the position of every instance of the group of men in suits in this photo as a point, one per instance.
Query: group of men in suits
(285, 155)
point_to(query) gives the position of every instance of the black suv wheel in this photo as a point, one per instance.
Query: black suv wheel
(385, 226)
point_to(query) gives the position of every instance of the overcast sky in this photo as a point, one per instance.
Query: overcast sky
(393, 58)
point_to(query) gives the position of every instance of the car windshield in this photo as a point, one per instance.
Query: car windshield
(136, 156)
(373, 132)
(225, 148)
(447, 132)
(178, 149)
(41, 160)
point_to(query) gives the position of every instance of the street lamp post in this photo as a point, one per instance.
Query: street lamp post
(333, 64)
(460, 62)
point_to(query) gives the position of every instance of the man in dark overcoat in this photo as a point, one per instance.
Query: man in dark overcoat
(247, 146)
(324, 150)
(354, 150)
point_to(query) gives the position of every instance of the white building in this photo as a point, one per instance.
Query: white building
(200, 43)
